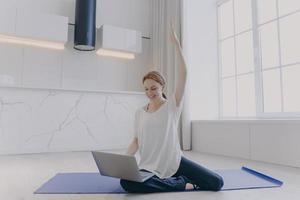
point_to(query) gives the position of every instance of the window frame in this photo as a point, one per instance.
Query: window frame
(258, 71)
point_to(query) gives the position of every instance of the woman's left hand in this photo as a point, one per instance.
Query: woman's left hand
(173, 36)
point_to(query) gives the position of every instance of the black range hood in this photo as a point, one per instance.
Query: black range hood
(85, 25)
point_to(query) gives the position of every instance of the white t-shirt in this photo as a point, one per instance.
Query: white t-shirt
(158, 141)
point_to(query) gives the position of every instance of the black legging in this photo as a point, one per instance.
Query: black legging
(188, 172)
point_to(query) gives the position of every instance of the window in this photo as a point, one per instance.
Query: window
(259, 58)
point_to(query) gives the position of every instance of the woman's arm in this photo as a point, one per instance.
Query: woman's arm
(182, 70)
(133, 147)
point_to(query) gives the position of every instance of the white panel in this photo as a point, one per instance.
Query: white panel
(42, 26)
(246, 95)
(116, 38)
(58, 7)
(244, 53)
(69, 45)
(291, 94)
(269, 45)
(132, 14)
(113, 12)
(225, 14)
(7, 19)
(42, 68)
(276, 143)
(229, 97)
(112, 73)
(272, 91)
(227, 57)
(288, 6)
(138, 67)
(266, 10)
(243, 15)
(140, 16)
(289, 37)
(79, 70)
(34, 121)
(223, 139)
(11, 59)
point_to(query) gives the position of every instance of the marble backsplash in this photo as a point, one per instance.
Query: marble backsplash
(34, 120)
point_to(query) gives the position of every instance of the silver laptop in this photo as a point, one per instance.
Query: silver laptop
(120, 166)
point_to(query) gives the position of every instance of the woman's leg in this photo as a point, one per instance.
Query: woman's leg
(155, 184)
(199, 175)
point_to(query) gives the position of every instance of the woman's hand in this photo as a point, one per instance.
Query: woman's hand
(173, 36)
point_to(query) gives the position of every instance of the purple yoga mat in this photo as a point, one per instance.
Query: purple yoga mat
(94, 183)
(80, 183)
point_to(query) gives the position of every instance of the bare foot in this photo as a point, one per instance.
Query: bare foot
(189, 186)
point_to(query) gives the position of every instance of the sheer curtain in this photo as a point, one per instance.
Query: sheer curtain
(165, 59)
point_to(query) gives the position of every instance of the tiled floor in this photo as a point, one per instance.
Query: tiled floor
(21, 175)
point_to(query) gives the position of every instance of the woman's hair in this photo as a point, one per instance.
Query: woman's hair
(156, 76)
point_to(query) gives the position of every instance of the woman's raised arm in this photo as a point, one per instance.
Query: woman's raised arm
(182, 70)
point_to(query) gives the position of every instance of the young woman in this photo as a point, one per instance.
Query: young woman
(156, 140)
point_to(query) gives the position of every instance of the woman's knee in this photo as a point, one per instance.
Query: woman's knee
(217, 183)
(125, 185)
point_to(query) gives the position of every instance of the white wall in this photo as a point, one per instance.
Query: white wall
(70, 100)
(274, 141)
(34, 121)
(70, 69)
(200, 48)
(133, 14)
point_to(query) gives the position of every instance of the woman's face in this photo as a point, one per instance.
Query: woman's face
(153, 89)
